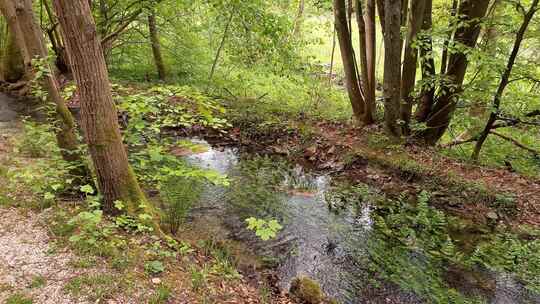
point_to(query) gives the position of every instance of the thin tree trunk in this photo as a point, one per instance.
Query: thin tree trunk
(471, 12)
(371, 51)
(444, 56)
(428, 67)
(34, 44)
(61, 62)
(99, 120)
(330, 75)
(221, 45)
(156, 46)
(392, 67)
(367, 117)
(505, 78)
(349, 64)
(298, 21)
(404, 14)
(409, 63)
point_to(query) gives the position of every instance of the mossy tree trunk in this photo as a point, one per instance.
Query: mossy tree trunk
(156, 45)
(116, 179)
(12, 62)
(15, 34)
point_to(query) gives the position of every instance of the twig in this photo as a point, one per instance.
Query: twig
(517, 143)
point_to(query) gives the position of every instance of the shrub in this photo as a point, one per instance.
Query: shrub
(178, 195)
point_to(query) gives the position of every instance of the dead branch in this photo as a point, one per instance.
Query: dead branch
(517, 143)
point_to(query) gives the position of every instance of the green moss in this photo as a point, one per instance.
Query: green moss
(38, 282)
(18, 298)
(307, 291)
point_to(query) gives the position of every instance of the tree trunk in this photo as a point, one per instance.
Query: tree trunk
(505, 78)
(367, 117)
(392, 67)
(221, 45)
(12, 68)
(428, 68)
(332, 56)
(380, 9)
(347, 55)
(35, 46)
(8, 10)
(444, 57)
(410, 59)
(297, 29)
(156, 46)
(371, 50)
(115, 177)
(61, 62)
(471, 12)
(404, 14)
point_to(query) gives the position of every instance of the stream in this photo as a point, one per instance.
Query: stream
(340, 246)
(340, 249)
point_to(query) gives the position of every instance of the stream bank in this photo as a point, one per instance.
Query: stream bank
(360, 244)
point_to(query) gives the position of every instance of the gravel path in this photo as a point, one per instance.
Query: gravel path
(28, 264)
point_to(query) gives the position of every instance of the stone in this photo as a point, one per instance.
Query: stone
(307, 291)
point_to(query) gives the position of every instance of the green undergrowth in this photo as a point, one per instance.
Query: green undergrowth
(126, 247)
(439, 257)
(452, 189)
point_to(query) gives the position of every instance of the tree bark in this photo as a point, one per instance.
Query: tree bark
(409, 63)
(34, 45)
(371, 51)
(12, 68)
(61, 62)
(347, 55)
(367, 58)
(8, 10)
(367, 117)
(505, 79)
(444, 56)
(392, 67)
(427, 94)
(115, 177)
(382, 20)
(156, 46)
(471, 12)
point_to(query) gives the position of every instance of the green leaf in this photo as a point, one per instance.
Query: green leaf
(87, 189)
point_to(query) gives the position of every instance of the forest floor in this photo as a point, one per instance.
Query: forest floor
(38, 265)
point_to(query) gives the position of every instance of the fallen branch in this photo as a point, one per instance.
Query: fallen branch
(517, 143)
(459, 142)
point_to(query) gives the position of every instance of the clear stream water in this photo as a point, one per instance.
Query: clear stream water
(336, 248)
